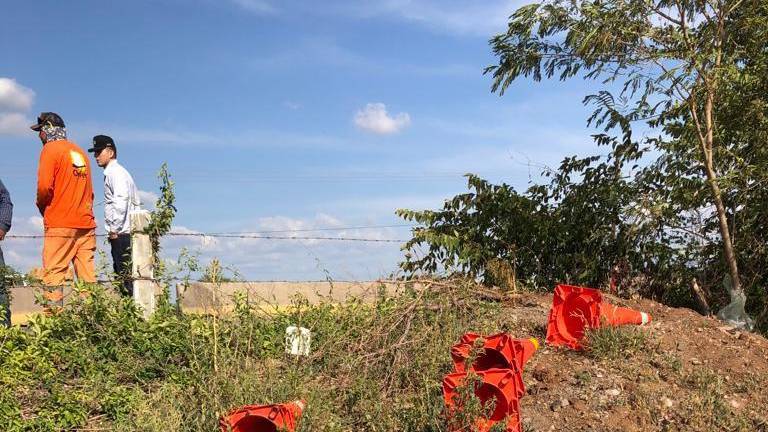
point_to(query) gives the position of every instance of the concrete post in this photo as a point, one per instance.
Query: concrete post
(145, 289)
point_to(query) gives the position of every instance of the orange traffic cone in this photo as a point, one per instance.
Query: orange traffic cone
(500, 387)
(263, 418)
(500, 351)
(576, 308)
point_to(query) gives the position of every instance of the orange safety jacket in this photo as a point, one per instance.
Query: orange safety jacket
(64, 188)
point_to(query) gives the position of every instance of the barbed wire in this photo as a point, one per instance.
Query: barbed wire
(39, 236)
(317, 229)
(21, 283)
(214, 235)
(267, 237)
(301, 177)
(230, 233)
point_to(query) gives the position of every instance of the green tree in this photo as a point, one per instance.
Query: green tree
(669, 62)
(574, 229)
(475, 229)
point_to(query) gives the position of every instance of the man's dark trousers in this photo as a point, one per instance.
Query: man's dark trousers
(5, 303)
(121, 262)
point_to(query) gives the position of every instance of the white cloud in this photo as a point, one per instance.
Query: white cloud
(194, 237)
(148, 199)
(374, 118)
(479, 17)
(14, 97)
(290, 227)
(322, 51)
(36, 222)
(15, 102)
(387, 205)
(251, 138)
(14, 124)
(256, 6)
(24, 253)
(282, 223)
(292, 105)
(461, 17)
(318, 51)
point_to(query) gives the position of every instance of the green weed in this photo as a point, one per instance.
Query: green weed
(373, 367)
(610, 342)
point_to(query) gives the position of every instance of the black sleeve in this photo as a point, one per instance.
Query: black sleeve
(6, 208)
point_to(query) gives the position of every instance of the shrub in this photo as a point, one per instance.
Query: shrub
(375, 367)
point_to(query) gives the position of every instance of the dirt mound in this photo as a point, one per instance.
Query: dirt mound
(683, 372)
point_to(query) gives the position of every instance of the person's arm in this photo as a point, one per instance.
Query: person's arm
(116, 196)
(46, 174)
(6, 211)
(109, 211)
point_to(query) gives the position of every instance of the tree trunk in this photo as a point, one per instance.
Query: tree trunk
(725, 232)
(701, 299)
(707, 147)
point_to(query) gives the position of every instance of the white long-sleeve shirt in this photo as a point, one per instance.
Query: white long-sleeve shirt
(121, 198)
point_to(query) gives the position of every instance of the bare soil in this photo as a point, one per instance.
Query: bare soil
(693, 373)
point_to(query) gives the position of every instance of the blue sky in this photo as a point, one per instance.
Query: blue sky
(279, 115)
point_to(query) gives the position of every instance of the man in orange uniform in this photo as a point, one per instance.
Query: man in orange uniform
(65, 200)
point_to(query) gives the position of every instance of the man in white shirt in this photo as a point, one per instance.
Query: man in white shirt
(121, 198)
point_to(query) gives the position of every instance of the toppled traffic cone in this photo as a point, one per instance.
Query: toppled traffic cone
(263, 418)
(500, 351)
(575, 309)
(500, 389)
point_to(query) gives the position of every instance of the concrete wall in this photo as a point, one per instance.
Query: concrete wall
(23, 305)
(201, 297)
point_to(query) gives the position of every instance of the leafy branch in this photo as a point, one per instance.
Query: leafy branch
(162, 216)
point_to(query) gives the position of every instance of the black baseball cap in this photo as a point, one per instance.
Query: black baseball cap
(100, 142)
(47, 118)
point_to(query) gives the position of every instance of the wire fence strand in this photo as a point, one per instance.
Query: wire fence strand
(230, 236)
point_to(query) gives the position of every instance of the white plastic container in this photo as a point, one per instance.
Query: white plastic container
(297, 340)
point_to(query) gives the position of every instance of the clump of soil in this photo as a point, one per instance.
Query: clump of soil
(690, 373)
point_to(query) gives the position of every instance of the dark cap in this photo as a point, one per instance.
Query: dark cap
(100, 142)
(50, 118)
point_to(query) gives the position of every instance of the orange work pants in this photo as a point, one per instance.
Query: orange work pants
(63, 246)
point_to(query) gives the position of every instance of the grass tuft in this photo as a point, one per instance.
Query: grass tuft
(613, 343)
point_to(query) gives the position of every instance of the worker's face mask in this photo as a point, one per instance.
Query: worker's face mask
(52, 133)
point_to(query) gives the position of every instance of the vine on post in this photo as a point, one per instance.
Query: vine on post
(162, 216)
